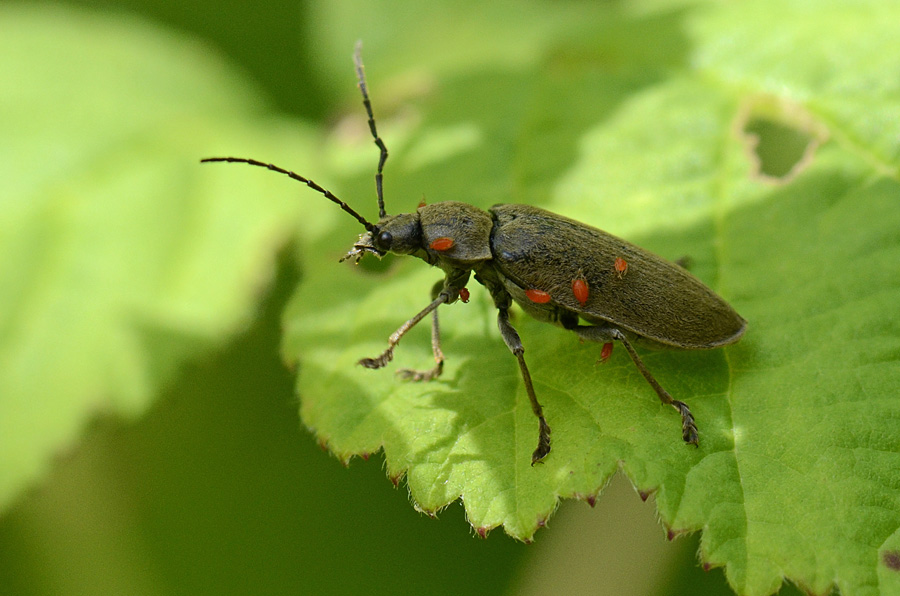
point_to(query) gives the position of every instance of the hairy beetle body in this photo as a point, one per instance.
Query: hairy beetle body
(659, 301)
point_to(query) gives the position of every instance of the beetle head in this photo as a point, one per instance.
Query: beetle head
(400, 234)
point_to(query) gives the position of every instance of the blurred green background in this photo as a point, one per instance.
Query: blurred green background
(219, 489)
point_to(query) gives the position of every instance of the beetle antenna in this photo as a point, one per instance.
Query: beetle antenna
(328, 194)
(361, 75)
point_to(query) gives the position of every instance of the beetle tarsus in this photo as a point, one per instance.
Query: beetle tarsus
(688, 429)
(409, 374)
(379, 361)
(543, 447)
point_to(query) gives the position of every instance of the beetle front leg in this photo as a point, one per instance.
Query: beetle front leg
(511, 337)
(394, 339)
(444, 291)
(602, 334)
(427, 375)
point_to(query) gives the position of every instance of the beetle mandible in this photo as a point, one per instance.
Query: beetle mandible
(556, 269)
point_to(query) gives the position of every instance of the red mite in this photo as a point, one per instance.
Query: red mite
(464, 294)
(606, 351)
(538, 296)
(441, 244)
(581, 290)
(621, 266)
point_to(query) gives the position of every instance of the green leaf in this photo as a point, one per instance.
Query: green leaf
(121, 257)
(646, 125)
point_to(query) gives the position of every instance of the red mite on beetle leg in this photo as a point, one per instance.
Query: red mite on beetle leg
(533, 257)
(606, 351)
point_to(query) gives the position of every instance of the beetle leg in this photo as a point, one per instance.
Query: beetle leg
(688, 428)
(444, 291)
(388, 354)
(427, 375)
(596, 333)
(511, 337)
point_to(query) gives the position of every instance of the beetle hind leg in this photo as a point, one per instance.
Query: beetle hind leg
(604, 334)
(688, 427)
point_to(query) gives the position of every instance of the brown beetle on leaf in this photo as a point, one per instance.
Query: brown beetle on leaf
(558, 270)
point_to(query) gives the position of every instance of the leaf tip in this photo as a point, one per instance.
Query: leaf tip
(590, 499)
(672, 534)
(432, 513)
(395, 479)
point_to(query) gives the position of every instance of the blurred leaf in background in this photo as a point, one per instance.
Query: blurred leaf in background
(120, 261)
(128, 273)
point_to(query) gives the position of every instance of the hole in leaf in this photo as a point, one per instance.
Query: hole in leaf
(779, 148)
(891, 559)
(781, 138)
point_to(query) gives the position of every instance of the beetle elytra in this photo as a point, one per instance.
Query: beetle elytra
(556, 269)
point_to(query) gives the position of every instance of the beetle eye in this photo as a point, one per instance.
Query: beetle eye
(385, 239)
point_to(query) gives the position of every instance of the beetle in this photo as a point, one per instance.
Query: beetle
(556, 269)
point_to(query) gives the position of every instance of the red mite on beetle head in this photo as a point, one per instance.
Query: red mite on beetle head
(515, 249)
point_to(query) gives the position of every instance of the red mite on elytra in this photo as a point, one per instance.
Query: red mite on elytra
(556, 269)
(581, 290)
(621, 266)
